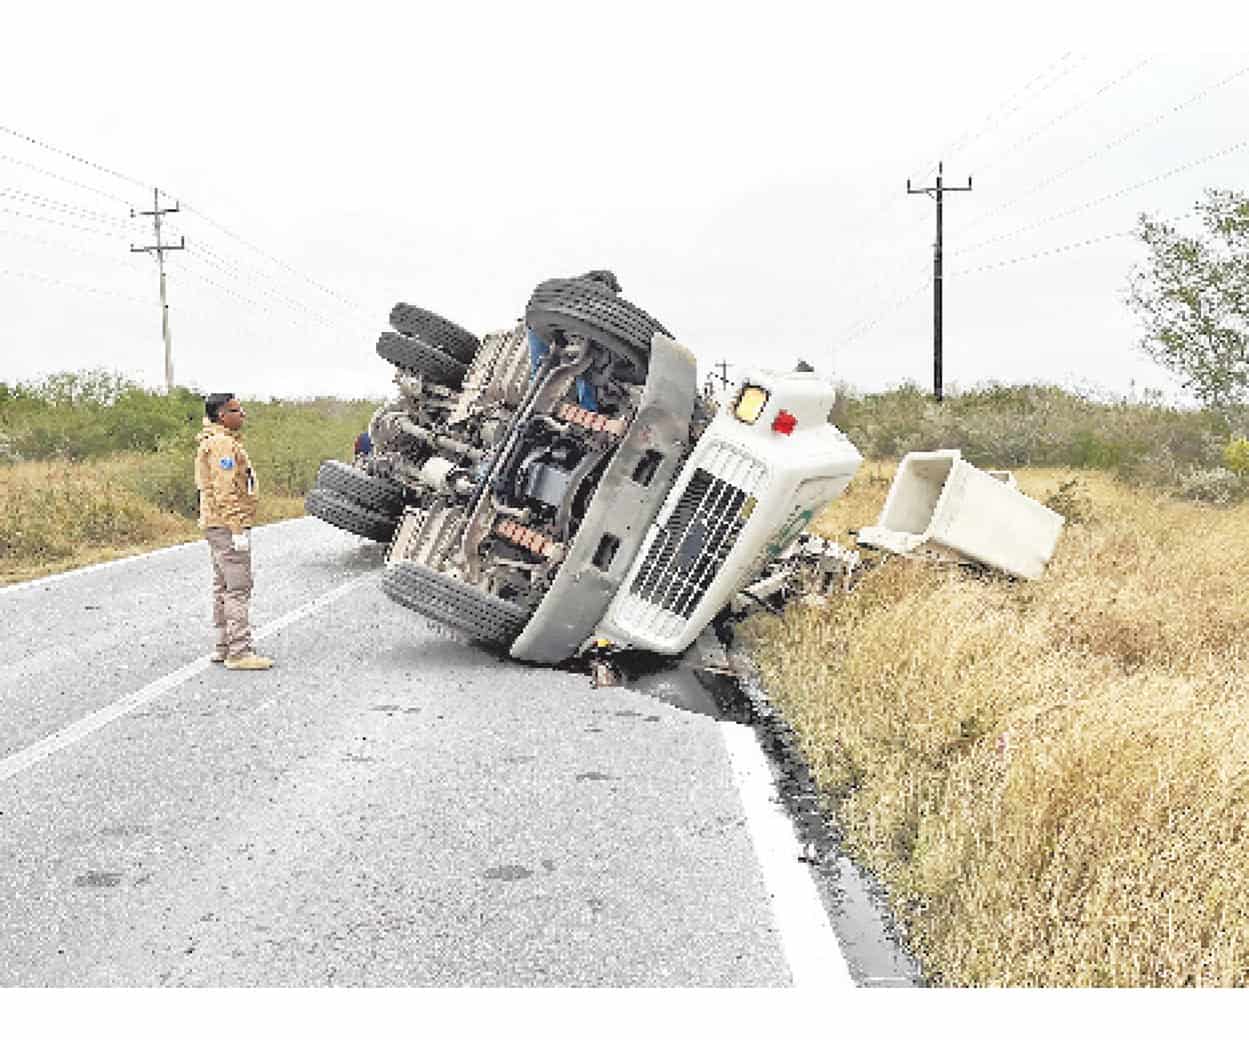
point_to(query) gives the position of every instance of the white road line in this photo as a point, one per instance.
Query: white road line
(50, 579)
(75, 731)
(810, 945)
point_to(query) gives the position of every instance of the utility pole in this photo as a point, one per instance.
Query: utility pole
(723, 366)
(160, 249)
(936, 276)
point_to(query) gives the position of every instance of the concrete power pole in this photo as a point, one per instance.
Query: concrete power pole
(936, 276)
(160, 249)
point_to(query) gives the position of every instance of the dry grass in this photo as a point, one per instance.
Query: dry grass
(1052, 777)
(55, 516)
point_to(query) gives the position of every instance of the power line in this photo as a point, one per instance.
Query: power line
(861, 328)
(71, 285)
(70, 155)
(272, 259)
(890, 196)
(1090, 204)
(250, 275)
(257, 304)
(66, 180)
(1148, 124)
(61, 223)
(1066, 114)
(31, 199)
(967, 140)
(1040, 253)
(197, 212)
(61, 245)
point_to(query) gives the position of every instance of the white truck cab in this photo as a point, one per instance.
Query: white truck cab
(761, 471)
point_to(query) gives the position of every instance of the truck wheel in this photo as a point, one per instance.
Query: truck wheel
(453, 602)
(435, 330)
(578, 307)
(376, 493)
(342, 512)
(416, 356)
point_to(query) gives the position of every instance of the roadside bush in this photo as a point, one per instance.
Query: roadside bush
(1071, 500)
(288, 441)
(1236, 455)
(1216, 485)
(1141, 441)
(82, 415)
(166, 479)
(50, 512)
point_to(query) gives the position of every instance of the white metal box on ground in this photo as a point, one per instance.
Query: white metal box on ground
(943, 506)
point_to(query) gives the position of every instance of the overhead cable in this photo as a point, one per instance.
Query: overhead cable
(62, 223)
(70, 155)
(1039, 254)
(862, 328)
(31, 199)
(272, 259)
(1065, 114)
(1090, 204)
(66, 180)
(1148, 124)
(111, 258)
(251, 275)
(71, 285)
(203, 216)
(968, 139)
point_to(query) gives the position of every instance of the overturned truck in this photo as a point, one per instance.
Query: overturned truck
(562, 488)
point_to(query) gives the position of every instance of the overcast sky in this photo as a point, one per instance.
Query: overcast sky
(742, 169)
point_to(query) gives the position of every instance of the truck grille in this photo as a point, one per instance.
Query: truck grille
(686, 554)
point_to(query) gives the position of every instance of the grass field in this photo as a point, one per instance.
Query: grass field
(1052, 777)
(94, 468)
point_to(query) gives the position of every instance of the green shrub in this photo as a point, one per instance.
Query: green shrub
(996, 426)
(1236, 455)
(166, 479)
(81, 415)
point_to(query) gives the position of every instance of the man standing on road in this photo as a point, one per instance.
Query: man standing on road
(227, 510)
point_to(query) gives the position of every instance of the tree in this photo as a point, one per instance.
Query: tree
(1193, 296)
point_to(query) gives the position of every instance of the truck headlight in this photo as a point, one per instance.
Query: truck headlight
(750, 403)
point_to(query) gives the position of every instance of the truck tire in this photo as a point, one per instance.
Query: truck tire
(435, 330)
(342, 512)
(580, 307)
(453, 602)
(414, 355)
(376, 493)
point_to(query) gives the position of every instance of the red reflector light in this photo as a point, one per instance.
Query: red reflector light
(784, 422)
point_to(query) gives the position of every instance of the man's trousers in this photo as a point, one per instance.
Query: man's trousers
(232, 591)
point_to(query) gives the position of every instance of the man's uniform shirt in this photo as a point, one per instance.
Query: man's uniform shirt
(225, 478)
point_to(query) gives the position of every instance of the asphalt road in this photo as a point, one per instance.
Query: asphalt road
(386, 807)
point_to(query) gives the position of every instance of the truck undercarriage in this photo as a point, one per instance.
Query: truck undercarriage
(562, 486)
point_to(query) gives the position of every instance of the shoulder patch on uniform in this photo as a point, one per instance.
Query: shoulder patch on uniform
(227, 463)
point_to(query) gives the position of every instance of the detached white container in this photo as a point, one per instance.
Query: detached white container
(940, 505)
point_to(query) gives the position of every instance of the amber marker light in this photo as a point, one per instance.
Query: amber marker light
(750, 403)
